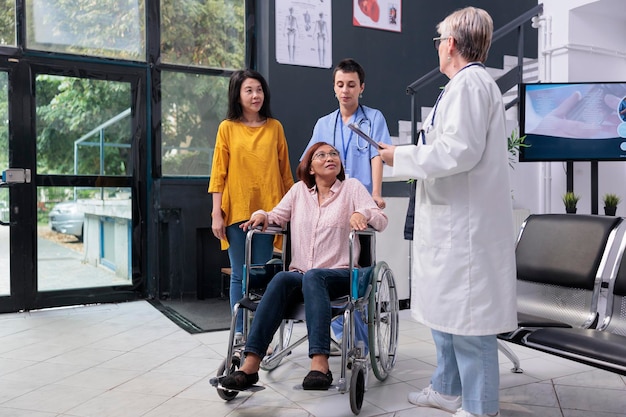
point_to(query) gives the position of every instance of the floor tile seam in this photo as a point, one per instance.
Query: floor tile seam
(56, 412)
(197, 378)
(586, 387)
(31, 390)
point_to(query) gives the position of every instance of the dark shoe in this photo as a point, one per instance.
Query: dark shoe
(240, 380)
(316, 380)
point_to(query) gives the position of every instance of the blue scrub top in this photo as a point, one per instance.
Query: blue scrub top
(355, 151)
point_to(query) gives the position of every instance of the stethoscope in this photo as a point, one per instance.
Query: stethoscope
(364, 123)
(422, 134)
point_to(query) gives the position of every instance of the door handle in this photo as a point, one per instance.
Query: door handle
(15, 176)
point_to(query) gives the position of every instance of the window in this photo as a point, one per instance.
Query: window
(83, 126)
(106, 28)
(207, 33)
(192, 108)
(7, 22)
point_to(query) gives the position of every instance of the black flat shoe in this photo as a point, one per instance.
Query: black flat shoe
(240, 380)
(316, 380)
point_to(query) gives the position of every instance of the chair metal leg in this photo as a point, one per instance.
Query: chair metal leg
(506, 350)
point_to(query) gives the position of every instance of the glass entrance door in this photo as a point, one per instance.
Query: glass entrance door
(5, 245)
(70, 240)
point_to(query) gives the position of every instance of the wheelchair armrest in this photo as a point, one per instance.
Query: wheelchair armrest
(272, 229)
(370, 231)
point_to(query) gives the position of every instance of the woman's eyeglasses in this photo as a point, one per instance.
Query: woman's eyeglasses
(437, 41)
(320, 156)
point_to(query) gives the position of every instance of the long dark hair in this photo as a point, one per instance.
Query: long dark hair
(234, 91)
(303, 171)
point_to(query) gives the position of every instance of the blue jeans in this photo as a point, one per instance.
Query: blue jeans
(468, 366)
(318, 287)
(262, 250)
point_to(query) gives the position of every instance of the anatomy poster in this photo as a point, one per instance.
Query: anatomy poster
(378, 14)
(304, 33)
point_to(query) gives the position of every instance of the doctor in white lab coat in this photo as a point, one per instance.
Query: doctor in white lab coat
(463, 272)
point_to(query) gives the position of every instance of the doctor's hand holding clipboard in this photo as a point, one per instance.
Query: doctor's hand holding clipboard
(386, 153)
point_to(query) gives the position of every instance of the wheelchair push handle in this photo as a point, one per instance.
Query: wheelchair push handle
(354, 271)
(271, 229)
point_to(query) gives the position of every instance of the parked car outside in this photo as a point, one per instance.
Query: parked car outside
(68, 218)
(4, 211)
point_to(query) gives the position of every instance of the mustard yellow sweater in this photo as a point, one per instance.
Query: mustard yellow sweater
(250, 168)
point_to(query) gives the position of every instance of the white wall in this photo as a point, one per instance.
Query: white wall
(579, 40)
(391, 248)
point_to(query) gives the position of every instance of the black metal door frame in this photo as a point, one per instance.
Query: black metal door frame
(22, 73)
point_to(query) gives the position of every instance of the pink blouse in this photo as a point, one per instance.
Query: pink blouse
(320, 233)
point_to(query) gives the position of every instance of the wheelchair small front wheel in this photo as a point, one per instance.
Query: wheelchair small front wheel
(357, 388)
(232, 365)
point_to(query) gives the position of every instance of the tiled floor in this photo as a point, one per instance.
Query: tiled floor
(123, 360)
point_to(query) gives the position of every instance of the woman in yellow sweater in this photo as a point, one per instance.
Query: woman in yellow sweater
(250, 172)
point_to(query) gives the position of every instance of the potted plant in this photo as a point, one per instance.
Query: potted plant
(515, 142)
(570, 200)
(610, 203)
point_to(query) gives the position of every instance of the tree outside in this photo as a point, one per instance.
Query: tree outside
(203, 34)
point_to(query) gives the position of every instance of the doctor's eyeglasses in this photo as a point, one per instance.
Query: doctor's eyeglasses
(437, 41)
(321, 156)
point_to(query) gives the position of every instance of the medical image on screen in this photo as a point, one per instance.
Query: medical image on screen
(585, 111)
(574, 121)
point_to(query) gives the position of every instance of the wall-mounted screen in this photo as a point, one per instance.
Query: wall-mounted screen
(573, 121)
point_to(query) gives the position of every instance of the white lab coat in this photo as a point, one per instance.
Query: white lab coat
(463, 274)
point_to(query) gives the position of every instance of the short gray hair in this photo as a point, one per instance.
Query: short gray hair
(472, 29)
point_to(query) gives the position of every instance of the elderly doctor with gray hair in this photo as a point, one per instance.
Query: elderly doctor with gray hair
(464, 248)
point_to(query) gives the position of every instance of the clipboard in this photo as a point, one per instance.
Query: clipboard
(356, 129)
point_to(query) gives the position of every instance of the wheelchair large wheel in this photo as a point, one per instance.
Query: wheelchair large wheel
(357, 389)
(383, 321)
(283, 337)
(233, 365)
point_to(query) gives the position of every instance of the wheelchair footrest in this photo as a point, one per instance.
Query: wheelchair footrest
(216, 382)
(249, 304)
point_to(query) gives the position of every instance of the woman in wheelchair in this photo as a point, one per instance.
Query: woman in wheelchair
(322, 209)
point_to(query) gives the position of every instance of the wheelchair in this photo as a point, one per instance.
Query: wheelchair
(372, 293)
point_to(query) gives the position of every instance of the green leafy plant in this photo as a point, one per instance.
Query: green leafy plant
(610, 200)
(570, 200)
(515, 142)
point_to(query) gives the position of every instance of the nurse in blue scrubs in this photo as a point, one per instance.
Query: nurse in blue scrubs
(360, 159)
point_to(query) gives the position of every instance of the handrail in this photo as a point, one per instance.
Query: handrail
(518, 21)
(515, 75)
(501, 32)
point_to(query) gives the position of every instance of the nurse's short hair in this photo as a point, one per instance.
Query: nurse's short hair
(350, 65)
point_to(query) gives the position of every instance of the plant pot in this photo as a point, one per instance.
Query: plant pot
(570, 210)
(610, 211)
